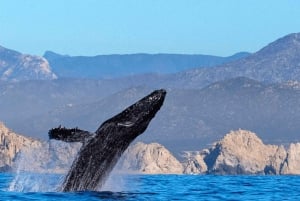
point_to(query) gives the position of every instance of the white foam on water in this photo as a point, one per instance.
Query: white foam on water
(41, 169)
(115, 183)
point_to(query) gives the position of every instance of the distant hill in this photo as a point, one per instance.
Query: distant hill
(15, 66)
(24, 99)
(260, 92)
(190, 119)
(277, 62)
(117, 65)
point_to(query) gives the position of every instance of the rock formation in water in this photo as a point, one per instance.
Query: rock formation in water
(194, 163)
(151, 158)
(239, 152)
(19, 153)
(10, 146)
(242, 152)
(291, 164)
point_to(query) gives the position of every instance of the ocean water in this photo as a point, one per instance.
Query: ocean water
(156, 187)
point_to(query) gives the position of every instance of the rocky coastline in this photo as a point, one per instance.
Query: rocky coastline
(238, 152)
(243, 152)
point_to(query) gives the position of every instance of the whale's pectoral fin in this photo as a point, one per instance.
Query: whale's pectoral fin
(69, 134)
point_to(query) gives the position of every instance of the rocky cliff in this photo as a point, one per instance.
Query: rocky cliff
(239, 152)
(149, 158)
(20, 153)
(291, 164)
(16, 66)
(194, 162)
(242, 152)
(10, 146)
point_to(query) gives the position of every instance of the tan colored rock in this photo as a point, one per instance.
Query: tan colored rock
(292, 163)
(26, 154)
(239, 152)
(20, 153)
(149, 159)
(242, 152)
(276, 161)
(11, 144)
(194, 162)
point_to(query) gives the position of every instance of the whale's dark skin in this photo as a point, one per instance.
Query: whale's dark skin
(100, 152)
(69, 135)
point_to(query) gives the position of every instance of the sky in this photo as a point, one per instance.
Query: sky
(94, 27)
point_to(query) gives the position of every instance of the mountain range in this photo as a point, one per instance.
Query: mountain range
(277, 62)
(111, 66)
(257, 92)
(191, 119)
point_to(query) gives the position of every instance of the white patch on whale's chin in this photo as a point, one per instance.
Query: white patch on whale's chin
(126, 124)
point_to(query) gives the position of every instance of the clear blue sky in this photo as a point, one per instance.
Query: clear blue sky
(91, 27)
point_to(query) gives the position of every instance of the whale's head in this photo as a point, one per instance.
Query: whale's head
(135, 119)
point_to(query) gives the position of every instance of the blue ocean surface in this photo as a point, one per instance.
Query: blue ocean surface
(158, 187)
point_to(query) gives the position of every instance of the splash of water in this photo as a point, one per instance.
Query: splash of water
(116, 182)
(42, 168)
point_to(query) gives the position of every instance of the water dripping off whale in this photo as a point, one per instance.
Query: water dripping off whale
(102, 149)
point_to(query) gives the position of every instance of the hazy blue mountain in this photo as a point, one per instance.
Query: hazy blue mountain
(24, 99)
(277, 62)
(16, 66)
(109, 66)
(190, 119)
(202, 104)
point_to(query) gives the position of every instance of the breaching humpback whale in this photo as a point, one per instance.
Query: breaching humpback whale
(102, 149)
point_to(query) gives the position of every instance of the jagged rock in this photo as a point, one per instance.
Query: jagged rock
(57, 156)
(149, 159)
(239, 152)
(10, 146)
(20, 153)
(292, 162)
(17, 66)
(276, 161)
(242, 152)
(194, 163)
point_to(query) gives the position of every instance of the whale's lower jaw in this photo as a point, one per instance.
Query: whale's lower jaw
(99, 154)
